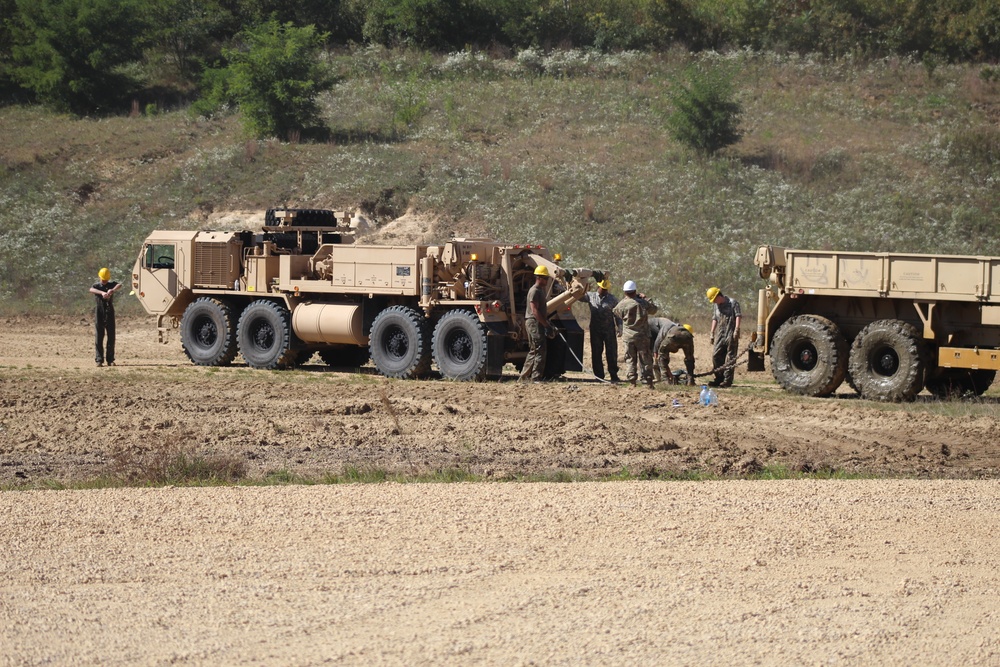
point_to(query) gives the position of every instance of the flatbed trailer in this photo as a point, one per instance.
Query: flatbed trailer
(891, 324)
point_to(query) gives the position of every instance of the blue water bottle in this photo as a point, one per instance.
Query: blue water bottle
(703, 396)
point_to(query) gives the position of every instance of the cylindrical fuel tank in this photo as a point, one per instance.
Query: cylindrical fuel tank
(332, 323)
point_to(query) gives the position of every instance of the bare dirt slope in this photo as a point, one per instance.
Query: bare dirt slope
(61, 418)
(891, 572)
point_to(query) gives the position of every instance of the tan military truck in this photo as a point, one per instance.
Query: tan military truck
(891, 324)
(301, 286)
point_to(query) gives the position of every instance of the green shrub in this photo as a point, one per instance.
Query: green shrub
(275, 79)
(706, 114)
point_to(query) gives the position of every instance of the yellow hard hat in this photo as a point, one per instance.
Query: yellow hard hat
(711, 293)
(604, 284)
(689, 328)
(542, 270)
(104, 274)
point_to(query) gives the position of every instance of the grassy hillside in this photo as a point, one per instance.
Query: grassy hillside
(567, 150)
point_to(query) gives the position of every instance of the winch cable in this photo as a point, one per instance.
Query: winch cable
(570, 348)
(720, 369)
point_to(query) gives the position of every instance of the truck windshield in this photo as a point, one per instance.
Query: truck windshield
(159, 256)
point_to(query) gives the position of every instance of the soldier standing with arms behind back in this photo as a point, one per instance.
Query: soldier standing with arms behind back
(634, 311)
(536, 323)
(725, 336)
(605, 327)
(104, 317)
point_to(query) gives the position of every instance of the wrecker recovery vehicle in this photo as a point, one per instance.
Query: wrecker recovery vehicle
(891, 324)
(301, 286)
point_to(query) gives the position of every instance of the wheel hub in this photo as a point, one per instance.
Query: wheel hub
(263, 337)
(397, 344)
(207, 333)
(806, 358)
(460, 347)
(886, 362)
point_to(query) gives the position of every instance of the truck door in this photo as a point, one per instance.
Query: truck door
(158, 275)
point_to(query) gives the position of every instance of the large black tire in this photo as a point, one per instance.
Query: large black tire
(459, 346)
(345, 356)
(208, 332)
(959, 382)
(399, 343)
(265, 336)
(888, 362)
(809, 356)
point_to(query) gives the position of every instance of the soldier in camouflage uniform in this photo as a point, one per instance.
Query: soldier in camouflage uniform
(536, 323)
(605, 327)
(634, 311)
(673, 337)
(725, 336)
(655, 325)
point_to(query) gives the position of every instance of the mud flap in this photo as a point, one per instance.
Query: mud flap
(560, 356)
(573, 358)
(755, 362)
(496, 342)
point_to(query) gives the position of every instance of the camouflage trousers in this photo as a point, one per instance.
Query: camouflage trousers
(534, 363)
(724, 353)
(676, 341)
(637, 353)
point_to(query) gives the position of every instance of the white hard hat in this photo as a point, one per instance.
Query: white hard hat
(629, 286)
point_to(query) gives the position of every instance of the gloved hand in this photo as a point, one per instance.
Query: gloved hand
(711, 339)
(550, 332)
(736, 335)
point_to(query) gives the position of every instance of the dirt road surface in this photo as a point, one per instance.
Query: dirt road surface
(893, 571)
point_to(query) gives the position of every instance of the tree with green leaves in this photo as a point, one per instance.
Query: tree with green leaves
(70, 53)
(436, 24)
(706, 114)
(275, 78)
(186, 33)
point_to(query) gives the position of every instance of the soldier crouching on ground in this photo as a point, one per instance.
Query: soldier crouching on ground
(634, 311)
(673, 337)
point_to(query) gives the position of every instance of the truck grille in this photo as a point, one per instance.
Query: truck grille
(213, 267)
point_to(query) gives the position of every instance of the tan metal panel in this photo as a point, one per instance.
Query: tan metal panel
(343, 274)
(991, 314)
(860, 272)
(404, 276)
(911, 274)
(373, 275)
(815, 270)
(260, 271)
(393, 267)
(958, 275)
(962, 357)
(992, 265)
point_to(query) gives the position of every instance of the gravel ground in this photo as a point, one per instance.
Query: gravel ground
(624, 573)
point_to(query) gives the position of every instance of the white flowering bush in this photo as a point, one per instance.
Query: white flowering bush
(467, 63)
